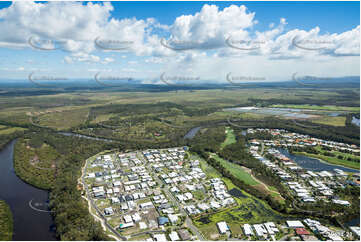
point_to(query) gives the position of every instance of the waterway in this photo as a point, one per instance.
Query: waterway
(314, 164)
(191, 133)
(29, 205)
(85, 136)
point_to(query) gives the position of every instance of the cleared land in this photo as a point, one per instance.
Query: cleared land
(334, 121)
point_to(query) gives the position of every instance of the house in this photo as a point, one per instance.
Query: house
(341, 202)
(163, 220)
(173, 218)
(128, 219)
(128, 197)
(247, 230)
(142, 225)
(115, 200)
(294, 224)
(271, 228)
(108, 211)
(260, 230)
(184, 234)
(126, 225)
(203, 206)
(136, 217)
(174, 236)
(146, 205)
(222, 227)
(159, 237)
(302, 231)
(124, 206)
(215, 205)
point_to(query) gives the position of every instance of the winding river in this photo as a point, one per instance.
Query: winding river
(32, 220)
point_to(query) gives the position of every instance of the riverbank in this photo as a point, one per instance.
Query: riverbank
(35, 166)
(6, 222)
(330, 160)
(28, 223)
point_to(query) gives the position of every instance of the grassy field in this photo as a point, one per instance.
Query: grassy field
(248, 210)
(236, 171)
(6, 222)
(102, 118)
(65, 119)
(332, 160)
(10, 130)
(334, 121)
(230, 138)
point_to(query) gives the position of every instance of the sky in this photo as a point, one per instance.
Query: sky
(159, 42)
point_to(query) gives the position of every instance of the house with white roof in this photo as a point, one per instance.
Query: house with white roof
(222, 227)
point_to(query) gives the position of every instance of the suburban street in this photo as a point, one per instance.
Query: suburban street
(188, 221)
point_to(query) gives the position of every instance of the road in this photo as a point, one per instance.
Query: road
(100, 214)
(188, 221)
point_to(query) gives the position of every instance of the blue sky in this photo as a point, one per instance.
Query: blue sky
(195, 35)
(329, 16)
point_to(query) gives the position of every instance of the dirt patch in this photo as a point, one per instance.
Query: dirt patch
(214, 236)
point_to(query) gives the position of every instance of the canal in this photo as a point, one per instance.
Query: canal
(314, 164)
(29, 205)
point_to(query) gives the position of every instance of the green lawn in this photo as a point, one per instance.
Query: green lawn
(11, 130)
(230, 138)
(236, 171)
(333, 121)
